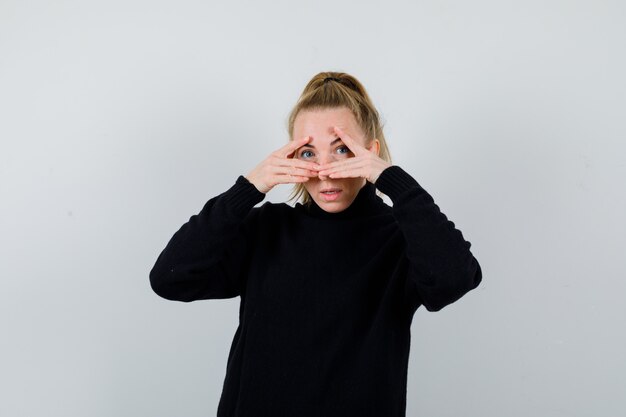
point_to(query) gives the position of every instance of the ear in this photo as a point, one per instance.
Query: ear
(375, 147)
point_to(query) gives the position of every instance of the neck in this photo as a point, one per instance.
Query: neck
(365, 203)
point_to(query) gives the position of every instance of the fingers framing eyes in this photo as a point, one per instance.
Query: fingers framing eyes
(284, 157)
(282, 167)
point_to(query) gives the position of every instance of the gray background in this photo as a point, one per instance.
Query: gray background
(120, 119)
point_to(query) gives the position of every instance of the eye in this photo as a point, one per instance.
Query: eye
(343, 149)
(305, 154)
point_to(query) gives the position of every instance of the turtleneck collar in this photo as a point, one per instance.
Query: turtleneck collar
(366, 202)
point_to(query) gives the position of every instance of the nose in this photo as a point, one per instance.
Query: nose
(323, 160)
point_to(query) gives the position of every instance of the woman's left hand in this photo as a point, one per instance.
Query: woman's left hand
(366, 163)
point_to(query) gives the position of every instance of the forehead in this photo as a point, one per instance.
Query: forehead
(319, 124)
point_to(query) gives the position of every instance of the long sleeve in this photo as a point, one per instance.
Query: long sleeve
(442, 268)
(203, 258)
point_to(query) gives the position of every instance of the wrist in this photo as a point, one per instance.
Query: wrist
(256, 184)
(379, 172)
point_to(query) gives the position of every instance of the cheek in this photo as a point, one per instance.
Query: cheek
(352, 181)
(311, 185)
(354, 184)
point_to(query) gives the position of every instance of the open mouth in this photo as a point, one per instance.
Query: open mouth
(330, 194)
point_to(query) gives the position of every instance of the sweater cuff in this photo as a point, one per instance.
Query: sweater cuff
(394, 181)
(242, 196)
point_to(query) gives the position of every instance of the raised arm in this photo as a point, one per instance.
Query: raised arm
(203, 258)
(442, 268)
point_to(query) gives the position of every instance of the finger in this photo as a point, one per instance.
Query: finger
(324, 169)
(360, 166)
(297, 163)
(352, 144)
(289, 179)
(300, 172)
(290, 147)
(348, 173)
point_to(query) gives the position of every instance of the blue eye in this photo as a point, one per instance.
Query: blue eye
(302, 154)
(343, 148)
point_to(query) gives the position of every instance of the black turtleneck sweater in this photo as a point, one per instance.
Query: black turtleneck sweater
(327, 299)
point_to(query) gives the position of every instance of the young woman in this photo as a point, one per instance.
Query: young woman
(329, 286)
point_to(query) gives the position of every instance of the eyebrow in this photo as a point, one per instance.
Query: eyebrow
(331, 144)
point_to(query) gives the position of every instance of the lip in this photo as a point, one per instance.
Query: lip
(330, 189)
(331, 197)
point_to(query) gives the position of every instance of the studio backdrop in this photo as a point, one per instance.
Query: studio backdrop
(119, 120)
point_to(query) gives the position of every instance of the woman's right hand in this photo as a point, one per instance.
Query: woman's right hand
(281, 168)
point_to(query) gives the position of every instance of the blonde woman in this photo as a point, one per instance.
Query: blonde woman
(330, 285)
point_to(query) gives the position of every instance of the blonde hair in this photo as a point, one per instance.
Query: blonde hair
(329, 90)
